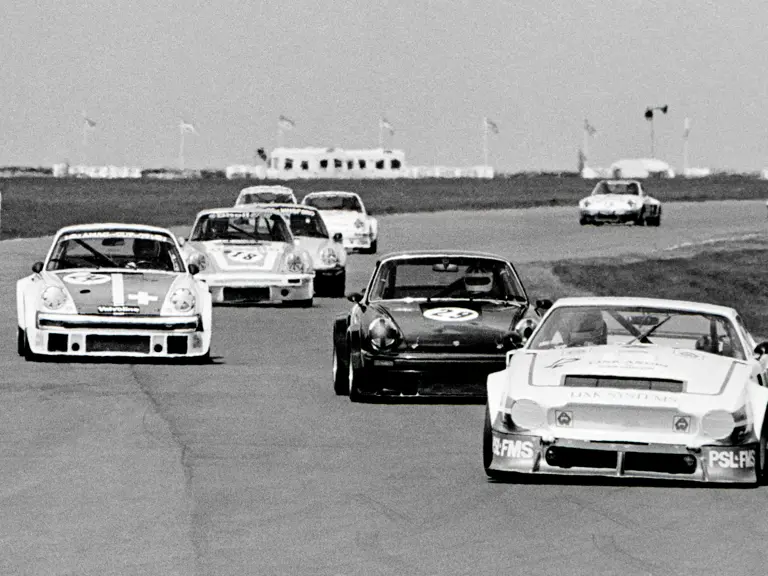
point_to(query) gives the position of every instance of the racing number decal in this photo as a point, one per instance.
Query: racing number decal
(450, 314)
(255, 258)
(86, 278)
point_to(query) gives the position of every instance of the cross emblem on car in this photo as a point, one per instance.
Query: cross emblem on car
(142, 298)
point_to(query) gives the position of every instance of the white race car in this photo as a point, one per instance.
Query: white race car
(635, 387)
(247, 254)
(344, 212)
(329, 258)
(619, 201)
(113, 290)
(266, 195)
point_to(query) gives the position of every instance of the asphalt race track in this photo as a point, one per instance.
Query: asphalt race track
(252, 466)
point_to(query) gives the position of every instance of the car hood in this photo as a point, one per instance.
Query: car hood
(700, 372)
(453, 324)
(236, 257)
(106, 292)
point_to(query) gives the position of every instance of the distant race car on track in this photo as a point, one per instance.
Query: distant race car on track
(344, 212)
(430, 323)
(113, 290)
(634, 387)
(619, 201)
(329, 258)
(266, 195)
(247, 254)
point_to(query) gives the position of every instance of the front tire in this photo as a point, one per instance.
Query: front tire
(338, 286)
(353, 381)
(488, 449)
(308, 303)
(761, 473)
(373, 248)
(21, 341)
(24, 348)
(340, 374)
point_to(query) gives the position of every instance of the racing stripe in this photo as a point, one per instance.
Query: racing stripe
(118, 290)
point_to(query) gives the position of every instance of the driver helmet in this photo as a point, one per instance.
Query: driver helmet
(144, 249)
(478, 279)
(587, 328)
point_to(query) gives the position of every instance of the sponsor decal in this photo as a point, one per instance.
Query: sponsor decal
(142, 298)
(623, 396)
(116, 234)
(732, 458)
(507, 448)
(450, 314)
(86, 278)
(119, 309)
(563, 418)
(681, 423)
(562, 362)
(686, 353)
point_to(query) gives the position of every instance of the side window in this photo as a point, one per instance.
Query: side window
(395, 164)
(304, 165)
(289, 163)
(380, 164)
(324, 163)
(361, 163)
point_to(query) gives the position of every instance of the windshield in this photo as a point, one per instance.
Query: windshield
(571, 326)
(617, 188)
(267, 198)
(241, 227)
(340, 202)
(306, 224)
(447, 278)
(116, 249)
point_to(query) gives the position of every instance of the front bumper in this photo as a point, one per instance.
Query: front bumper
(262, 288)
(617, 216)
(531, 455)
(354, 241)
(325, 273)
(429, 374)
(116, 336)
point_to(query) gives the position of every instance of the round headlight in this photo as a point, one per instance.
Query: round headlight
(525, 327)
(329, 257)
(53, 297)
(200, 260)
(294, 263)
(183, 300)
(527, 414)
(383, 333)
(718, 424)
(585, 203)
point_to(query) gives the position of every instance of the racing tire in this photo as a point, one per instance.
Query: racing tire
(583, 221)
(761, 472)
(641, 219)
(340, 374)
(338, 286)
(308, 303)
(372, 249)
(488, 452)
(353, 382)
(656, 220)
(24, 348)
(21, 340)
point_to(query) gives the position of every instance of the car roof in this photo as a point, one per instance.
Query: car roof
(332, 193)
(619, 181)
(682, 305)
(266, 188)
(117, 226)
(244, 208)
(279, 206)
(405, 255)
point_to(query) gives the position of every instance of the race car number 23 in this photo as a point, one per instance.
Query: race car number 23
(450, 314)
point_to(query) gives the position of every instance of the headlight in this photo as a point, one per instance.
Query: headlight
(720, 424)
(585, 203)
(526, 327)
(329, 257)
(383, 333)
(294, 263)
(183, 300)
(527, 414)
(633, 204)
(200, 260)
(359, 224)
(53, 297)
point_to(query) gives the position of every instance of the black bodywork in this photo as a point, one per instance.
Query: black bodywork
(430, 357)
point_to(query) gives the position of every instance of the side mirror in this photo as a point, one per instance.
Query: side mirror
(543, 304)
(193, 269)
(181, 240)
(338, 237)
(37, 267)
(761, 349)
(355, 297)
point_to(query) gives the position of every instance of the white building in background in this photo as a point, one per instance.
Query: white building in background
(641, 168)
(298, 163)
(111, 172)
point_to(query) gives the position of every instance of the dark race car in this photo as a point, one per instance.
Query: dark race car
(431, 324)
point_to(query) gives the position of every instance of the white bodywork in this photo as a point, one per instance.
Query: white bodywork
(359, 230)
(113, 311)
(249, 271)
(633, 206)
(629, 402)
(265, 194)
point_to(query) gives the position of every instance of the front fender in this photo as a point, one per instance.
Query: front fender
(496, 385)
(758, 400)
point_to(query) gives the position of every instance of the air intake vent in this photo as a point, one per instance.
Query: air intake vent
(657, 384)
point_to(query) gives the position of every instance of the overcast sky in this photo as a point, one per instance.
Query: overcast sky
(432, 68)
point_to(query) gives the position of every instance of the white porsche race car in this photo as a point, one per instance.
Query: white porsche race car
(247, 254)
(113, 290)
(634, 387)
(619, 201)
(344, 212)
(329, 258)
(262, 194)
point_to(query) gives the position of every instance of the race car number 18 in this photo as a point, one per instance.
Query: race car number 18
(250, 257)
(450, 314)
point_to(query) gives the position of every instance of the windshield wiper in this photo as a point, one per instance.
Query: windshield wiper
(644, 336)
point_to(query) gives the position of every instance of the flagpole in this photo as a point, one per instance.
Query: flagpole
(381, 137)
(279, 136)
(85, 142)
(686, 130)
(485, 141)
(181, 147)
(586, 144)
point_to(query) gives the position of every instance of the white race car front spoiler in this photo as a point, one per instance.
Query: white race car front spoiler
(531, 455)
(262, 288)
